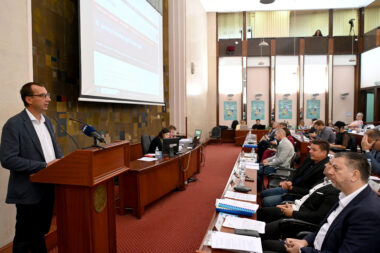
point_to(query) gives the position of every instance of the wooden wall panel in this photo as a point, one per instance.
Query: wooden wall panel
(224, 44)
(343, 45)
(255, 50)
(369, 40)
(56, 64)
(316, 45)
(287, 46)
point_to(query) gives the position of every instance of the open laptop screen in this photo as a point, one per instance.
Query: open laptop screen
(198, 133)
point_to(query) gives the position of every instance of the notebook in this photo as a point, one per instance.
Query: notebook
(236, 207)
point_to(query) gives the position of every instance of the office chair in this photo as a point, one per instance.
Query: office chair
(296, 228)
(145, 143)
(216, 134)
(281, 173)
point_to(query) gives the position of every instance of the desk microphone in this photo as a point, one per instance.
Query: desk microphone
(90, 131)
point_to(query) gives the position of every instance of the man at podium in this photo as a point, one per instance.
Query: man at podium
(27, 146)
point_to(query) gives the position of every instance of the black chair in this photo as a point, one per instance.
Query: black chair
(216, 134)
(281, 173)
(295, 228)
(145, 143)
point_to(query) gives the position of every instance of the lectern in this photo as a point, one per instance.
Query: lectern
(85, 197)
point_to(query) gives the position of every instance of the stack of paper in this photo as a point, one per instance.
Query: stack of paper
(244, 223)
(236, 207)
(220, 240)
(240, 196)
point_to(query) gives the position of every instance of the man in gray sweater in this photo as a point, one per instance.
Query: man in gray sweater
(282, 158)
(323, 132)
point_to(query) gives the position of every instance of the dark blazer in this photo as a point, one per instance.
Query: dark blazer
(315, 208)
(258, 127)
(309, 179)
(21, 153)
(156, 142)
(356, 229)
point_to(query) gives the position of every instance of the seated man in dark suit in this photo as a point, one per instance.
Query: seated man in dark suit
(258, 126)
(266, 141)
(308, 174)
(353, 224)
(312, 207)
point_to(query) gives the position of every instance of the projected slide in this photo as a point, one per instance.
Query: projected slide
(121, 51)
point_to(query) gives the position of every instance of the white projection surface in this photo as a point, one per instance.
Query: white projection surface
(121, 52)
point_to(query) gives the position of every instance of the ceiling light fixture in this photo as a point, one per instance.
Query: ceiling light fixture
(266, 1)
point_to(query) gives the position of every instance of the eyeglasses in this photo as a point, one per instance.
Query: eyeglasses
(42, 95)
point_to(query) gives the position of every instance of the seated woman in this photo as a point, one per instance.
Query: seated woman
(302, 126)
(242, 125)
(318, 33)
(358, 123)
(342, 140)
(158, 140)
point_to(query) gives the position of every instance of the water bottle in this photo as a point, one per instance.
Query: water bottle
(157, 153)
(242, 173)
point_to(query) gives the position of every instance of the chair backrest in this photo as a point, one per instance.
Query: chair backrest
(145, 143)
(352, 145)
(216, 132)
(292, 161)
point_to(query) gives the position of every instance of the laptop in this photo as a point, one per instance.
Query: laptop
(198, 133)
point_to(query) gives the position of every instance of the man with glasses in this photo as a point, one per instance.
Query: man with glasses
(371, 150)
(27, 146)
(353, 224)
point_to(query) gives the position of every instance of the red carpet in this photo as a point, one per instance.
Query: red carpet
(178, 221)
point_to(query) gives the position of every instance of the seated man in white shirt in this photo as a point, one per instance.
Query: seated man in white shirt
(353, 224)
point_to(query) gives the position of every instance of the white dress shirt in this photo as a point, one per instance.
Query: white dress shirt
(299, 202)
(44, 137)
(343, 202)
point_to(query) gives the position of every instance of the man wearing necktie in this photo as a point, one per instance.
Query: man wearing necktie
(353, 224)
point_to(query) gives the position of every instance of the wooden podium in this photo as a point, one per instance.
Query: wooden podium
(85, 200)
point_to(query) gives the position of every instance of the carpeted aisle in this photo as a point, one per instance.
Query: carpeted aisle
(178, 221)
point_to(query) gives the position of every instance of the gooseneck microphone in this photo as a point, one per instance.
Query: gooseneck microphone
(90, 131)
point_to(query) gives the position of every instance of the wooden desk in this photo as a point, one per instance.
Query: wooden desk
(252, 174)
(302, 146)
(260, 134)
(240, 136)
(228, 136)
(146, 182)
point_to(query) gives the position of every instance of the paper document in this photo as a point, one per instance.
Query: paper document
(147, 159)
(240, 196)
(220, 240)
(244, 223)
(252, 166)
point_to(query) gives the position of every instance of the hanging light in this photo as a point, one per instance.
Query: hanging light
(266, 1)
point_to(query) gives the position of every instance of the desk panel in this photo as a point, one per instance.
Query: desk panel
(146, 182)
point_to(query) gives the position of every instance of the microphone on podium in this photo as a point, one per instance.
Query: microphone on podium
(90, 131)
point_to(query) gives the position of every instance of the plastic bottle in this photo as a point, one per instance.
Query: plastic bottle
(242, 173)
(157, 153)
